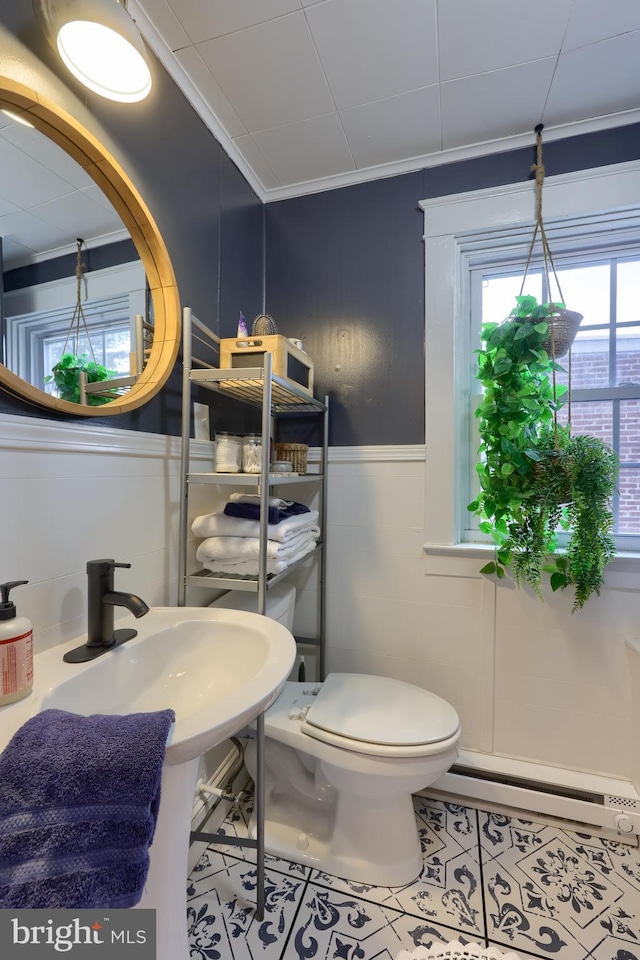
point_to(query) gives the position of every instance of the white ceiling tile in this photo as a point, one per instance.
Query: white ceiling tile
(15, 254)
(163, 16)
(32, 183)
(6, 206)
(477, 37)
(270, 73)
(100, 198)
(257, 162)
(32, 232)
(494, 105)
(305, 151)
(372, 49)
(589, 23)
(394, 129)
(592, 81)
(78, 214)
(209, 89)
(214, 18)
(37, 146)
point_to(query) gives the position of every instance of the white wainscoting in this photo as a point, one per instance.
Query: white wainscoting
(73, 492)
(530, 680)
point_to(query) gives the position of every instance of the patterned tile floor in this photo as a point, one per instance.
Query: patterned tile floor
(488, 878)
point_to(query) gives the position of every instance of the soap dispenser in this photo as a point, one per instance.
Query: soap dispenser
(16, 649)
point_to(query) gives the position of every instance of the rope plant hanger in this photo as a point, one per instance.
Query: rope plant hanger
(535, 477)
(563, 323)
(67, 371)
(78, 318)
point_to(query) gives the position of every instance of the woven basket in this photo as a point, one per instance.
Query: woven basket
(295, 453)
(563, 324)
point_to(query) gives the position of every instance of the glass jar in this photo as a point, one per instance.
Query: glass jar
(252, 453)
(228, 453)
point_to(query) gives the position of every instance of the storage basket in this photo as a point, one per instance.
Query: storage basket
(295, 453)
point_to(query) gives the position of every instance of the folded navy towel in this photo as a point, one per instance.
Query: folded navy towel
(79, 801)
(251, 511)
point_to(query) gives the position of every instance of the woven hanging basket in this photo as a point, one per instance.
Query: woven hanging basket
(563, 327)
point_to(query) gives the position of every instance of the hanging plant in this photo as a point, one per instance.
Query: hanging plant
(535, 478)
(66, 372)
(66, 376)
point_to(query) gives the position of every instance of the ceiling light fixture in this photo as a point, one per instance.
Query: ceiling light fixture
(100, 44)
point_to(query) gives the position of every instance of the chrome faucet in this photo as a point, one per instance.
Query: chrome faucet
(102, 598)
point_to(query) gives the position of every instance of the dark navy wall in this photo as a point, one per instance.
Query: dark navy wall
(345, 273)
(344, 269)
(208, 215)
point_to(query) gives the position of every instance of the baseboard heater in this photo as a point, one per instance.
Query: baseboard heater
(575, 807)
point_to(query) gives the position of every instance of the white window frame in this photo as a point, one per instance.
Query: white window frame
(453, 225)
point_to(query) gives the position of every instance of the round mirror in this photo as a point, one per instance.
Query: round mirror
(102, 336)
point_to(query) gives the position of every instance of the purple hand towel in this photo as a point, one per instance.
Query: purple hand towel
(251, 511)
(79, 800)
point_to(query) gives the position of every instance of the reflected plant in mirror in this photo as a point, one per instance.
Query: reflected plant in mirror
(66, 378)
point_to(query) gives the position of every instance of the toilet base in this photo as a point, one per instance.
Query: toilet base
(395, 859)
(369, 837)
(347, 812)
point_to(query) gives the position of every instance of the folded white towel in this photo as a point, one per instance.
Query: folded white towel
(220, 525)
(249, 568)
(234, 549)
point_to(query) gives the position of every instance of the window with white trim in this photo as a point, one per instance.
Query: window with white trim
(605, 358)
(475, 251)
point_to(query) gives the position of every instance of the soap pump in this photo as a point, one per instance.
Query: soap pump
(16, 648)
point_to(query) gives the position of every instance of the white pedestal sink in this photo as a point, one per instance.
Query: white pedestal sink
(217, 669)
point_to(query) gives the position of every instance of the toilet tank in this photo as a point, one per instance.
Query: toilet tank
(280, 603)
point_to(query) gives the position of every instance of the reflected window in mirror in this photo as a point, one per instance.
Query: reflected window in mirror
(115, 330)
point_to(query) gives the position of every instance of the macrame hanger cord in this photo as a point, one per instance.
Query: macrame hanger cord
(549, 267)
(78, 312)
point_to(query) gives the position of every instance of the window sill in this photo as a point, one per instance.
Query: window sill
(624, 559)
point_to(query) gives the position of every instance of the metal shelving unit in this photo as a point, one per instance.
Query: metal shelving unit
(276, 397)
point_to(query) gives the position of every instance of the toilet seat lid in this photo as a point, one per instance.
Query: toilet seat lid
(379, 710)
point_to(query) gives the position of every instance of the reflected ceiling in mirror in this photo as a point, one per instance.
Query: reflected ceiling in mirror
(59, 184)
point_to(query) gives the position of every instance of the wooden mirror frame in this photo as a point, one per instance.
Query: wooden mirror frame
(105, 171)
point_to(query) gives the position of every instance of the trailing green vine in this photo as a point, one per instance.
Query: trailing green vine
(534, 476)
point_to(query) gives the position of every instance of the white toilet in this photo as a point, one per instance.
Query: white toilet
(342, 759)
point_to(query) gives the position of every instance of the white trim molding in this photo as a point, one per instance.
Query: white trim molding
(383, 453)
(33, 433)
(17, 432)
